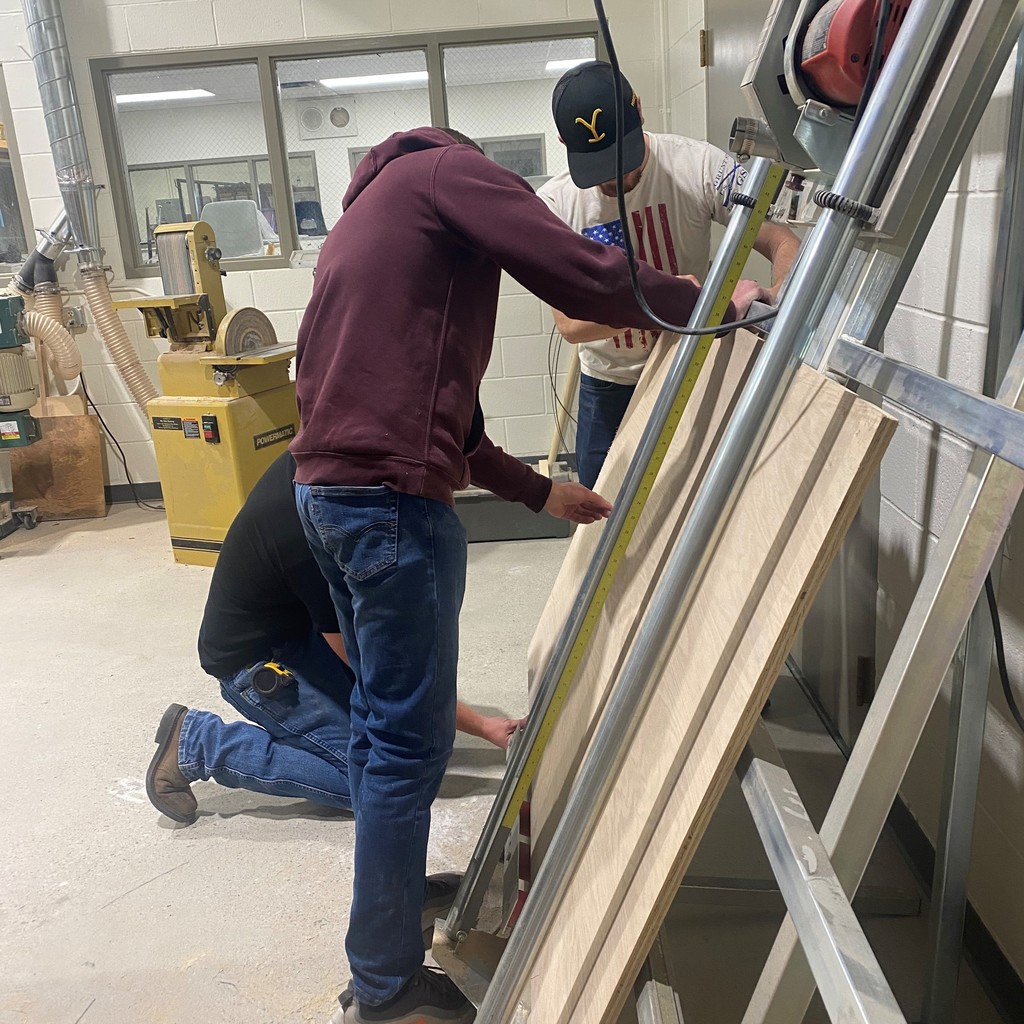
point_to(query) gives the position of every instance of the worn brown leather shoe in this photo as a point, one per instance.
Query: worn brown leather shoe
(169, 791)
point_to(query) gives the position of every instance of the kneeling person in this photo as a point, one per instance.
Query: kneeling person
(270, 637)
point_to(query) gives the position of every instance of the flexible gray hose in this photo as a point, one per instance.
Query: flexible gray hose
(119, 345)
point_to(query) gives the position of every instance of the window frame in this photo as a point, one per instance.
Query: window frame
(8, 270)
(522, 137)
(191, 181)
(265, 57)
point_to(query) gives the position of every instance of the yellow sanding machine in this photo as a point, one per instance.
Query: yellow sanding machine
(228, 404)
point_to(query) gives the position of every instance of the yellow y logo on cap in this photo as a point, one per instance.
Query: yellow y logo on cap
(592, 125)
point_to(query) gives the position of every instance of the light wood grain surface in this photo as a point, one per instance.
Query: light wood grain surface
(773, 553)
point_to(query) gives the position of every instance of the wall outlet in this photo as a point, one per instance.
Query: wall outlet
(74, 318)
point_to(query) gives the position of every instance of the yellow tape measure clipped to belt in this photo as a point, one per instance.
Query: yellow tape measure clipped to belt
(759, 212)
(271, 679)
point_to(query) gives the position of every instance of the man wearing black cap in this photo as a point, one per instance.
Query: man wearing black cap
(675, 187)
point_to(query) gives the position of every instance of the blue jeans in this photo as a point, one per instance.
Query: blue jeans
(299, 744)
(396, 565)
(602, 406)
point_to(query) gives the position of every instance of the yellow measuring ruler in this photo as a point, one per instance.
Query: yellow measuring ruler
(758, 214)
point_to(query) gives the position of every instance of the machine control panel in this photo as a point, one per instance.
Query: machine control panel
(211, 432)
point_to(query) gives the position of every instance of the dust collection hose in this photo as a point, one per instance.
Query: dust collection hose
(119, 345)
(49, 303)
(67, 360)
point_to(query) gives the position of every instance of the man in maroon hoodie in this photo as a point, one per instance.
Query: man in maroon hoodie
(393, 346)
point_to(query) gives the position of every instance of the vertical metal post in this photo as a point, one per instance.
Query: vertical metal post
(969, 694)
(1007, 317)
(968, 706)
(876, 142)
(466, 908)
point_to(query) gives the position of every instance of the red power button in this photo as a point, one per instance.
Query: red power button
(211, 432)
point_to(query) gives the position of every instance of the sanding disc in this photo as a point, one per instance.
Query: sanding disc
(244, 330)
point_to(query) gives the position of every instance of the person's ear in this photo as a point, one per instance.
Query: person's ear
(561, 140)
(640, 110)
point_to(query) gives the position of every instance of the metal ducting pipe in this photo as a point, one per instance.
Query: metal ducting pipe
(39, 267)
(52, 62)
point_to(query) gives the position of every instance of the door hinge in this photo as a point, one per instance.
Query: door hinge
(703, 44)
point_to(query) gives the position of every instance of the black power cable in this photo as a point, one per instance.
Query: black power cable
(553, 348)
(876, 59)
(631, 262)
(997, 633)
(120, 452)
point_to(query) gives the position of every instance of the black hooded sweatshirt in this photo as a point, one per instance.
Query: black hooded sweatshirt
(397, 335)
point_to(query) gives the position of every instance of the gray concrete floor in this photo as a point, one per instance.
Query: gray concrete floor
(110, 913)
(114, 915)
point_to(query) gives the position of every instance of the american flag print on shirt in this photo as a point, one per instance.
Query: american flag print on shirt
(654, 245)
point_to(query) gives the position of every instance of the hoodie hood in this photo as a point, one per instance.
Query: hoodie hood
(398, 145)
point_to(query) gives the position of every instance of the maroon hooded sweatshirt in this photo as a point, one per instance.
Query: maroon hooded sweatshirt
(398, 332)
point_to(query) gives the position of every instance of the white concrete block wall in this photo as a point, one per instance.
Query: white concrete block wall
(685, 86)
(940, 325)
(526, 421)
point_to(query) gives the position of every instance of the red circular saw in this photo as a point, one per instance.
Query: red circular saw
(837, 45)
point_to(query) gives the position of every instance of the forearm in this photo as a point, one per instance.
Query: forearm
(578, 332)
(504, 475)
(785, 255)
(780, 246)
(469, 721)
(495, 729)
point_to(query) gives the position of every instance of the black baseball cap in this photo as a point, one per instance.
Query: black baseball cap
(584, 107)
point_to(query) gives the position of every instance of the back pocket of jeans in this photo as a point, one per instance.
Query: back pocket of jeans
(373, 550)
(360, 530)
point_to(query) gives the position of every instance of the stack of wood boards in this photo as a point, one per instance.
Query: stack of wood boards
(772, 555)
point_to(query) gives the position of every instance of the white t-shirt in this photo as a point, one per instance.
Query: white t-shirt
(685, 186)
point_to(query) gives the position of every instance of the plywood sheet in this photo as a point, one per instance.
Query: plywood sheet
(714, 397)
(62, 473)
(790, 518)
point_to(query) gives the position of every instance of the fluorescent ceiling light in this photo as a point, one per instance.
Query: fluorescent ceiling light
(564, 65)
(366, 81)
(173, 94)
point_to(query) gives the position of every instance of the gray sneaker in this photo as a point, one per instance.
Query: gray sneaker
(437, 901)
(429, 997)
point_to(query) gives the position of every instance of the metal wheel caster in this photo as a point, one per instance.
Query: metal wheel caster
(28, 518)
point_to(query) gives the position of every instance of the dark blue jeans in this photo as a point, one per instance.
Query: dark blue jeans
(396, 565)
(299, 744)
(601, 408)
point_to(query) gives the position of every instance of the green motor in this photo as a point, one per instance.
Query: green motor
(18, 390)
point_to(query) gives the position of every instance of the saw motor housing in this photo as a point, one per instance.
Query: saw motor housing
(806, 78)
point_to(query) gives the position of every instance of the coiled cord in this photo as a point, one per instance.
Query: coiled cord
(842, 204)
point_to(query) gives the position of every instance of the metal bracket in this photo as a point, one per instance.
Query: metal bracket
(825, 134)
